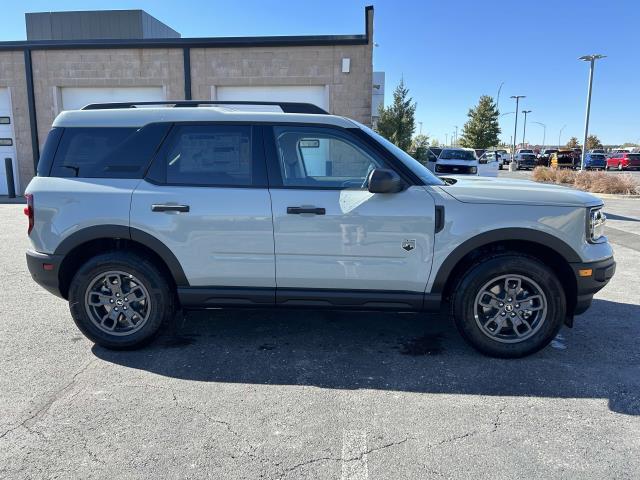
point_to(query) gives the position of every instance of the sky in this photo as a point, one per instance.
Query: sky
(449, 54)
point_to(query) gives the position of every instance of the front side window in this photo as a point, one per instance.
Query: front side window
(322, 158)
(217, 155)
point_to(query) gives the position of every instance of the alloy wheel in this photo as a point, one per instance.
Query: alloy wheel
(510, 308)
(117, 303)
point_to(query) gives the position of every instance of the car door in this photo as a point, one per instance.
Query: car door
(205, 197)
(335, 242)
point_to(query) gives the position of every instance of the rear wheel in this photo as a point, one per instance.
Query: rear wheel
(509, 306)
(120, 300)
(620, 168)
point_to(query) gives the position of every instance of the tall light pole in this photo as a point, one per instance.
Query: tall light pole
(498, 97)
(446, 139)
(560, 134)
(524, 131)
(515, 127)
(592, 60)
(456, 127)
(544, 132)
(420, 123)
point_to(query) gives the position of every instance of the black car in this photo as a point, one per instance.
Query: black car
(527, 161)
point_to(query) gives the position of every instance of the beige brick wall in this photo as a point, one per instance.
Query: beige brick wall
(349, 93)
(12, 75)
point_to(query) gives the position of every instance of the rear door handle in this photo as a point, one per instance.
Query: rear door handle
(300, 210)
(169, 207)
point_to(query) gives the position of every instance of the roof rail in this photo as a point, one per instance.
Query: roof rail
(287, 107)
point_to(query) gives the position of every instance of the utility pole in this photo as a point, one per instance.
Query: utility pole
(515, 127)
(456, 127)
(524, 131)
(592, 60)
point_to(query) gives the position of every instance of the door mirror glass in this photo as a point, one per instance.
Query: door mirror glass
(381, 180)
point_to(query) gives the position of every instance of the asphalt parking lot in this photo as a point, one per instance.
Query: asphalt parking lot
(272, 394)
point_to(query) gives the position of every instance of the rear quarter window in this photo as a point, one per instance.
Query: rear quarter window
(99, 152)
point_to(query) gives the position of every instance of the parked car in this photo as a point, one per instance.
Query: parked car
(624, 161)
(456, 161)
(595, 161)
(519, 153)
(563, 159)
(136, 212)
(525, 160)
(544, 157)
(505, 157)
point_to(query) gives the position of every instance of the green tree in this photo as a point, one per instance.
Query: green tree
(573, 143)
(593, 142)
(419, 147)
(397, 121)
(435, 142)
(482, 128)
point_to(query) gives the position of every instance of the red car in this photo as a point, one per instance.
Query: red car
(624, 161)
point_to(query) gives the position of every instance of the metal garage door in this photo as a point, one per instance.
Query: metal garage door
(7, 140)
(315, 94)
(74, 98)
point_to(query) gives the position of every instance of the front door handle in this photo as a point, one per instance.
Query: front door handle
(169, 207)
(300, 210)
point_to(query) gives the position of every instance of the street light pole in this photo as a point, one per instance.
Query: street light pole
(420, 123)
(592, 60)
(515, 127)
(456, 127)
(524, 131)
(446, 139)
(560, 134)
(498, 97)
(544, 132)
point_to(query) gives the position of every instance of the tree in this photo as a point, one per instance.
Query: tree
(482, 128)
(573, 143)
(435, 142)
(593, 142)
(419, 147)
(397, 121)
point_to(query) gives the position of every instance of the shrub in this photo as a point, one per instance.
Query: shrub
(595, 182)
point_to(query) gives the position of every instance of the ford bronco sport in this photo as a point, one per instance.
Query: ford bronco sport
(136, 212)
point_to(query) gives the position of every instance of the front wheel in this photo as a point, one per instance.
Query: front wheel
(509, 306)
(119, 300)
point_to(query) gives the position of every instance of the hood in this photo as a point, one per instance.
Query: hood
(516, 192)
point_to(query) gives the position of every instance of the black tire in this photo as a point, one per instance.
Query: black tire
(463, 304)
(161, 306)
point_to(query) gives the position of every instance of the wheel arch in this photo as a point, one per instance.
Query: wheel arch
(554, 252)
(78, 247)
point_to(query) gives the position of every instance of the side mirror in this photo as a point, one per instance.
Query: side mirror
(384, 181)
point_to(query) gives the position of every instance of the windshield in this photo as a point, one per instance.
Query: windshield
(457, 155)
(597, 157)
(526, 151)
(415, 166)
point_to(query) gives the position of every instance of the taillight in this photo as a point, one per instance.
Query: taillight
(28, 211)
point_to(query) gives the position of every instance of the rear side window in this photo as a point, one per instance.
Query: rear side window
(213, 155)
(99, 152)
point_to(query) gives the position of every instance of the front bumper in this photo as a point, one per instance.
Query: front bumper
(588, 285)
(45, 269)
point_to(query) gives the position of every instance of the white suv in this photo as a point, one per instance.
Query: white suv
(136, 212)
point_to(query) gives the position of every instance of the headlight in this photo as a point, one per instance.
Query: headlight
(597, 219)
(473, 169)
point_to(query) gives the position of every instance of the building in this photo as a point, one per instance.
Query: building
(63, 65)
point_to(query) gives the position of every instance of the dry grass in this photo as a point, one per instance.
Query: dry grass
(595, 182)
